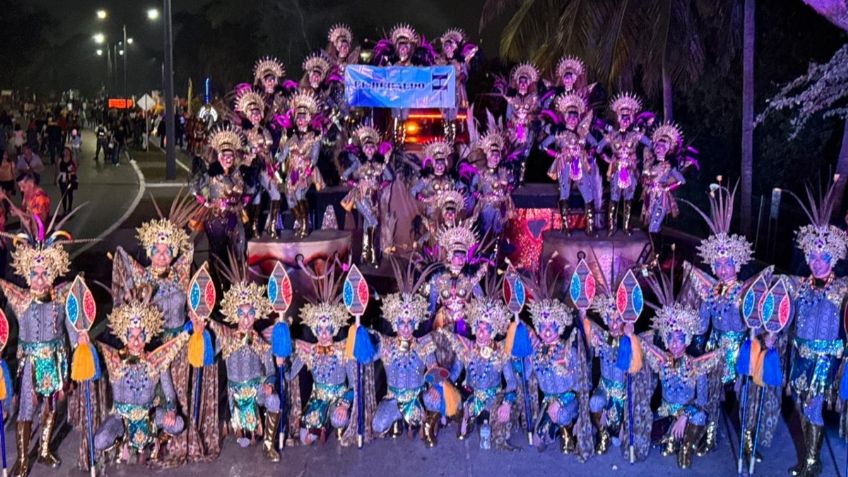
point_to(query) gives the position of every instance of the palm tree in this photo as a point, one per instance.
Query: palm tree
(748, 115)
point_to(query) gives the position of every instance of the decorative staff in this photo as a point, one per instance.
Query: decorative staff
(629, 302)
(201, 300)
(359, 345)
(280, 296)
(582, 289)
(518, 338)
(81, 311)
(770, 371)
(748, 352)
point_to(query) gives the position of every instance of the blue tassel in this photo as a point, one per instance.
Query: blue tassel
(843, 386)
(208, 349)
(625, 354)
(743, 362)
(96, 358)
(363, 348)
(281, 342)
(773, 370)
(188, 327)
(521, 346)
(7, 377)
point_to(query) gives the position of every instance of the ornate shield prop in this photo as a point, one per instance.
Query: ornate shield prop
(751, 309)
(514, 292)
(629, 300)
(776, 307)
(80, 307)
(583, 286)
(201, 292)
(280, 289)
(355, 292)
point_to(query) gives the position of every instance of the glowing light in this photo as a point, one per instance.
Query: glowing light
(129, 41)
(152, 14)
(99, 38)
(102, 14)
(99, 52)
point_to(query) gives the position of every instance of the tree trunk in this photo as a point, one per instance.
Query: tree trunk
(748, 116)
(842, 170)
(668, 90)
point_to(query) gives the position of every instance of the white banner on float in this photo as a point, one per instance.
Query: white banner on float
(400, 86)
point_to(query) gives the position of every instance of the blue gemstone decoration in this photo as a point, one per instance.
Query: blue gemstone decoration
(72, 309)
(194, 296)
(768, 307)
(520, 292)
(748, 304)
(272, 289)
(575, 288)
(638, 300)
(348, 294)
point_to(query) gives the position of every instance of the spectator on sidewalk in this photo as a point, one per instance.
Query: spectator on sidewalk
(8, 171)
(30, 162)
(34, 200)
(76, 143)
(66, 179)
(102, 142)
(54, 140)
(120, 141)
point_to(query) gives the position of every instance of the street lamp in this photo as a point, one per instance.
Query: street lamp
(129, 41)
(99, 52)
(152, 14)
(99, 38)
(101, 14)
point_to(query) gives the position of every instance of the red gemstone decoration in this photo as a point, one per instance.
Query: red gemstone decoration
(621, 299)
(209, 295)
(590, 287)
(88, 306)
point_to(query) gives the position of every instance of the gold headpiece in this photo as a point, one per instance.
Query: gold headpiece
(249, 100)
(318, 63)
(163, 231)
(570, 102)
(820, 235)
(493, 140)
(676, 318)
(366, 134)
(571, 64)
(457, 238)
(450, 196)
(526, 70)
(338, 32)
(53, 258)
(604, 305)
(244, 293)
(669, 131)
(721, 243)
(488, 310)
(549, 310)
(403, 31)
(268, 65)
(226, 138)
(407, 304)
(626, 102)
(323, 314)
(305, 102)
(136, 315)
(455, 35)
(437, 149)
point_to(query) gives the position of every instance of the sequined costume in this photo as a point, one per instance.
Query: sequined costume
(492, 188)
(458, 53)
(428, 188)
(523, 106)
(331, 374)
(660, 178)
(367, 175)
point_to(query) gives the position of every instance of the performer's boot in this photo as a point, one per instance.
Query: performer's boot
(811, 465)
(798, 468)
(397, 429)
(603, 434)
(23, 433)
(44, 455)
(253, 215)
(269, 438)
(563, 212)
(431, 428)
(669, 445)
(590, 220)
(690, 439)
(273, 214)
(611, 218)
(568, 443)
(469, 427)
(625, 223)
(366, 246)
(709, 443)
(304, 219)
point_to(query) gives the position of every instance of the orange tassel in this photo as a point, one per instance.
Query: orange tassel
(451, 398)
(82, 364)
(636, 356)
(510, 337)
(350, 342)
(196, 350)
(2, 386)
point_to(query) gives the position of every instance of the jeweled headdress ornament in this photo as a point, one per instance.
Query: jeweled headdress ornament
(268, 65)
(571, 64)
(248, 100)
(820, 235)
(403, 32)
(366, 135)
(242, 292)
(446, 197)
(226, 138)
(626, 103)
(668, 131)
(137, 313)
(672, 316)
(324, 308)
(489, 308)
(544, 307)
(455, 35)
(437, 149)
(722, 244)
(604, 304)
(570, 102)
(340, 31)
(492, 140)
(305, 102)
(318, 63)
(457, 238)
(170, 230)
(407, 304)
(525, 70)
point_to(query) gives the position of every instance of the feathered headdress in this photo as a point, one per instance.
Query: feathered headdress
(437, 149)
(820, 235)
(455, 35)
(626, 103)
(407, 304)
(318, 63)
(457, 238)
(324, 309)
(226, 138)
(242, 292)
(366, 134)
(339, 31)
(570, 102)
(670, 132)
(544, 307)
(489, 308)
(137, 313)
(403, 31)
(492, 140)
(305, 102)
(571, 64)
(672, 316)
(722, 244)
(248, 100)
(450, 196)
(169, 230)
(268, 65)
(525, 70)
